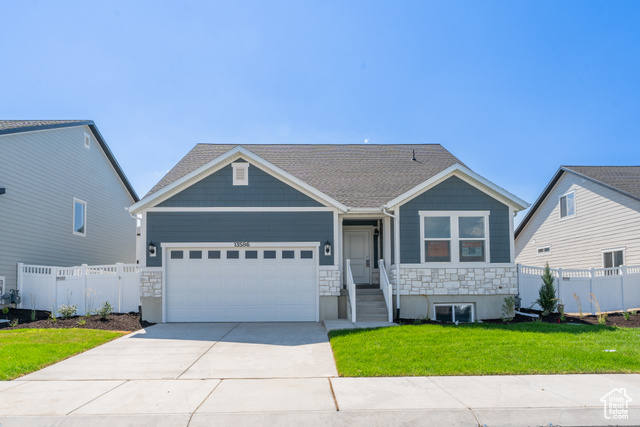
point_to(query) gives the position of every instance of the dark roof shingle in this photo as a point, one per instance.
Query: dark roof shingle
(623, 178)
(363, 175)
(23, 125)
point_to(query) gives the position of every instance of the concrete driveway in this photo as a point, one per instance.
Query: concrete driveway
(204, 351)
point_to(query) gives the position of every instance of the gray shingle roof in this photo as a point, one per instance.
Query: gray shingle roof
(362, 176)
(622, 178)
(23, 125)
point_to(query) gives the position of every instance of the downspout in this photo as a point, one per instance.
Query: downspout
(396, 256)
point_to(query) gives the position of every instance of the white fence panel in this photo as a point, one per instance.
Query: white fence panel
(615, 289)
(87, 287)
(632, 287)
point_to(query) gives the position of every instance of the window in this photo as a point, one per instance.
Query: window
(544, 250)
(177, 255)
(240, 173)
(214, 254)
(567, 205)
(87, 141)
(251, 255)
(453, 312)
(454, 236)
(288, 254)
(233, 254)
(306, 254)
(269, 254)
(79, 217)
(612, 258)
(195, 254)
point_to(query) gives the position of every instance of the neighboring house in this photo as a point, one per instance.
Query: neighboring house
(63, 197)
(264, 232)
(586, 217)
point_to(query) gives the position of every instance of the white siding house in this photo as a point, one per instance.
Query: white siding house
(64, 198)
(587, 217)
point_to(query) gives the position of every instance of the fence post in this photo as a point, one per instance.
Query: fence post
(84, 279)
(19, 284)
(559, 282)
(54, 274)
(622, 276)
(119, 275)
(592, 275)
(518, 278)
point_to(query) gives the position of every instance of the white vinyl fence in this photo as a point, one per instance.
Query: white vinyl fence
(87, 287)
(615, 289)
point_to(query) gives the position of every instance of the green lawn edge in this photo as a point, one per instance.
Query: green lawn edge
(23, 351)
(485, 349)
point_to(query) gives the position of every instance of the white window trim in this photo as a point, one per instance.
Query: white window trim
(244, 166)
(455, 252)
(453, 311)
(87, 141)
(73, 224)
(575, 205)
(624, 255)
(543, 253)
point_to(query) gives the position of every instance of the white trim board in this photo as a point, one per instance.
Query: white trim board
(242, 209)
(222, 161)
(232, 245)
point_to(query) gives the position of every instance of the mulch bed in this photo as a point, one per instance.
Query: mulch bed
(613, 319)
(116, 322)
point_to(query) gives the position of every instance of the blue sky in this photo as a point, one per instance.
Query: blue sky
(512, 88)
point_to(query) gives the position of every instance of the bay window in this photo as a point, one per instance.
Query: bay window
(454, 236)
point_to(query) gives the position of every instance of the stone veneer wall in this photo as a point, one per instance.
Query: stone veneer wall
(329, 280)
(150, 282)
(456, 281)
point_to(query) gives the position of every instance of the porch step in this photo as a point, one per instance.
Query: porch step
(370, 306)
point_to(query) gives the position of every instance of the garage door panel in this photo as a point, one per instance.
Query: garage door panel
(253, 288)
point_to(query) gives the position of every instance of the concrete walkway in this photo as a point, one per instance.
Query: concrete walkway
(207, 389)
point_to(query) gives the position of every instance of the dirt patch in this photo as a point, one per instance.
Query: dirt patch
(115, 322)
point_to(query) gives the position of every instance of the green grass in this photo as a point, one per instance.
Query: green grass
(486, 349)
(26, 350)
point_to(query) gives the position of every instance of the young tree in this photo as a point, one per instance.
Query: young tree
(547, 293)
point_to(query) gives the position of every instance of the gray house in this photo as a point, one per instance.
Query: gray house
(586, 217)
(63, 197)
(277, 232)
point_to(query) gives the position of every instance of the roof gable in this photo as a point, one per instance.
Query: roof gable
(8, 127)
(622, 179)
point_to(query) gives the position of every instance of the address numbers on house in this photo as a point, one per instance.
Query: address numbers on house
(241, 244)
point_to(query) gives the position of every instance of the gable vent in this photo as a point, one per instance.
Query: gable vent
(240, 173)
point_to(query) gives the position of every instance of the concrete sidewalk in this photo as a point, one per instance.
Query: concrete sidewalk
(427, 401)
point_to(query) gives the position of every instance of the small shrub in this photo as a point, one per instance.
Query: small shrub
(634, 312)
(68, 311)
(34, 315)
(508, 308)
(5, 311)
(14, 322)
(53, 317)
(105, 310)
(547, 293)
(90, 296)
(602, 317)
(626, 315)
(417, 321)
(82, 322)
(33, 308)
(561, 311)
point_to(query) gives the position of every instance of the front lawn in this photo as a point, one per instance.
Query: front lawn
(26, 350)
(486, 349)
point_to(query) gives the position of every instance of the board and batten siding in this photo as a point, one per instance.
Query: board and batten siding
(454, 194)
(605, 219)
(229, 227)
(42, 172)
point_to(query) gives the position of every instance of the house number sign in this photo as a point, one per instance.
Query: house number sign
(241, 244)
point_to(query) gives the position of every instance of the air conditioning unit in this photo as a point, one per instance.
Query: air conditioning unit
(2, 280)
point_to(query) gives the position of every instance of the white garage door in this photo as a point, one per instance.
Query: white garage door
(241, 284)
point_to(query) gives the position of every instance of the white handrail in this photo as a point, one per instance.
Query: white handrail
(351, 288)
(385, 285)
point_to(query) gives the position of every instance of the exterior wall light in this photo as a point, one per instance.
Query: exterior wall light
(2, 190)
(376, 233)
(327, 248)
(152, 249)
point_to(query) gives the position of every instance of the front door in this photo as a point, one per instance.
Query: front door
(357, 248)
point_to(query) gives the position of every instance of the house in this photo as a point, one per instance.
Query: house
(265, 233)
(586, 217)
(63, 197)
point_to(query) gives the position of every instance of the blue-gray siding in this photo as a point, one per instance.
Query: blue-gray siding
(42, 173)
(215, 227)
(217, 190)
(454, 195)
